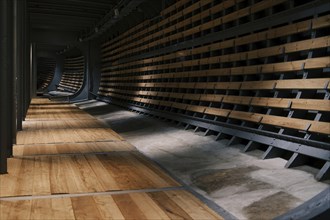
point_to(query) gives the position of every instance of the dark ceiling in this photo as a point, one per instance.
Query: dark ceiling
(68, 15)
(57, 23)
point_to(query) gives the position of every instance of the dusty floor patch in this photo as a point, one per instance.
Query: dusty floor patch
(213, 180)
(194, 157)
(270, 206)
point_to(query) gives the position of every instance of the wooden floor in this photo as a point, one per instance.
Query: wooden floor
(69, 165)
(177, 204)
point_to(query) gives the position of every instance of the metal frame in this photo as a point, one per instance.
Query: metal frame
(279, 18)
(279, 143)
(316, 208)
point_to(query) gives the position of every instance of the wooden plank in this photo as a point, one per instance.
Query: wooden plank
(169, 206)
(83, 174)
(155, 168)
(56, 124)
(311, 104)
(57, 177)
(24, 184)
(149, 208)
(217, 112)
(107, 207)
(259, 85)
(247, 116)
(66, 136)
(270, 102)
(71, 148)
(106, 177)
(15, 209)
(128, 207)
(178, 204)
(8, 181)
(302, 84)
(286, 122)
(320, 127)
(195, 108)
(240, 100)
(75, 174)
(62, 208)
(41, 180)
(193, 207)
(85, 208)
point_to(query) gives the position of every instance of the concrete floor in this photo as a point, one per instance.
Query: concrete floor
(241, 183)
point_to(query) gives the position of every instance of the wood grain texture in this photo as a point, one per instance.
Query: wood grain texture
(46, 175)
(177, 204)
(72, 148)
(76, 135)
(57, 156)
(62, 124)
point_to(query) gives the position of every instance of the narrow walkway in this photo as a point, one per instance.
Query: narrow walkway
(69, 165)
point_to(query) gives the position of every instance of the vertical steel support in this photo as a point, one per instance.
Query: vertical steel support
(20, 57)
(15, 69)
(11, 85)
(25, 60)
(28, 59)
(5, 84)
(33, 66)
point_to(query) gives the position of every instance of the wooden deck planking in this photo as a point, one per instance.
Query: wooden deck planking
(72, 148)
(66, 136)
(62, 124)
(59, 115)
(46, 175)
(57, 155)
(155, 205)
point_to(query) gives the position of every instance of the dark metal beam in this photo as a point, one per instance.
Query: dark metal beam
(48, 23)
(34, 70)
(19, 82)
(70, 13)
(94, 4)
(317, 207)
(60, 10)
(75, 7)
(59, 16)
(10, 82)
(111, 18)
(5, 83)
(15, 68)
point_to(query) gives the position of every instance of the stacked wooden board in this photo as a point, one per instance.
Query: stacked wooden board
(238, 64)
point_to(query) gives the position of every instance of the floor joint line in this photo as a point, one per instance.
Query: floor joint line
(72, 154)
(69, 195)
(83, 142)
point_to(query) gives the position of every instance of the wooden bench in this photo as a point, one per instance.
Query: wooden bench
(304, 45)
(316, 23)
(266, 77)
(225, 19)
(73, 74)
(280, 121)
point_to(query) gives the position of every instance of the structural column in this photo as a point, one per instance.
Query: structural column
(33, 67)
(11, 81)
(26, 96)
(15, 69)
(6, 83)
(20, 57)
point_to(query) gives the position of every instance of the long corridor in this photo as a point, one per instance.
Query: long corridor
(69, 165)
